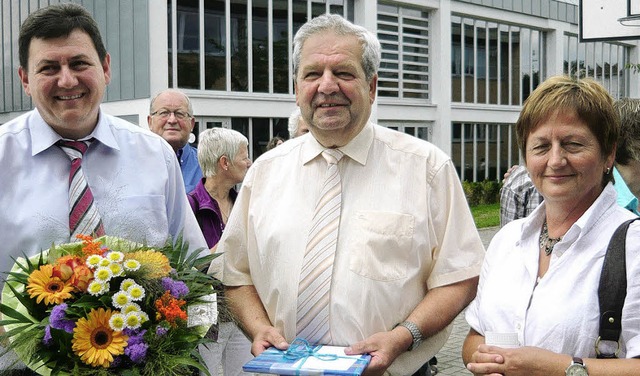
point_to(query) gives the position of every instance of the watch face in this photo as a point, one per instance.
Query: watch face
(576, 370)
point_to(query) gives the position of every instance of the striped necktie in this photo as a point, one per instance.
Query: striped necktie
(317, 265)
(83, 213)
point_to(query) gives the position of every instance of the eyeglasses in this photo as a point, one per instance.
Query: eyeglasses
(165, 114)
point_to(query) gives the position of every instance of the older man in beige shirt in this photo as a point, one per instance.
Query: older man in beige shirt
(407, 250)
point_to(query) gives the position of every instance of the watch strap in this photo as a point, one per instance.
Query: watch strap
(415, 333)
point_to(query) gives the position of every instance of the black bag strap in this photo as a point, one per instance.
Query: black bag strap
(612, 290)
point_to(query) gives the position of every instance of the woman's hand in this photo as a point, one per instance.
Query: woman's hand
(523, 361)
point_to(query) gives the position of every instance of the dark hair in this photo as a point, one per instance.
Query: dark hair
(274, 142)
(57, 21)
(591, 102)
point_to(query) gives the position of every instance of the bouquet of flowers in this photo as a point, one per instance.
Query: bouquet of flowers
(108, 306)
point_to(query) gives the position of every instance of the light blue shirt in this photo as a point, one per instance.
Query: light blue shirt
(626, 199)
(191, 173)
(133, 174)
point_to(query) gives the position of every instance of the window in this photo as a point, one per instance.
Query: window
(404, 68)
(601, 61)
(493, 63)
(244, 50)
(482, 151)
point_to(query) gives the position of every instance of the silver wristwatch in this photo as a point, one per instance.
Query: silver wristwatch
(415, 333)
(576, 368)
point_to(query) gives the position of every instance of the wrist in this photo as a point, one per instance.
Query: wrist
(415, 336)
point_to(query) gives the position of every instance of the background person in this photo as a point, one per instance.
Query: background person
(223, 155)
(627, 170)
(171, 116)
(407, 253)
(137, 191)
(541, 273)
(276, 141)
(297, 126)
(518, 196)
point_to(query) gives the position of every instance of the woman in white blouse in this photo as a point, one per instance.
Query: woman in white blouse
(536, 311)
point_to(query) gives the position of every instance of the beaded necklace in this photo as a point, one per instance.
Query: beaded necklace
(546, 242)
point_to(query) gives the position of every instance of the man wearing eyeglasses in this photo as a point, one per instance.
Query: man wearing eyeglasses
(171, 116)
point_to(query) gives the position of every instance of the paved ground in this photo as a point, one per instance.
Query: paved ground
(449, 357)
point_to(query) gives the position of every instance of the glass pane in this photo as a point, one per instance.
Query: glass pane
(481, 62)
(260, 44)
(469, 63)
(188, 44)
(281, 75)
(242, 125)
(281, 127)
(318, 9)
(505, 71)
(493, 63)
(456, 62)
(516, 46)
(299, 15)
(239, 44)
(260, 137)
(215, 45)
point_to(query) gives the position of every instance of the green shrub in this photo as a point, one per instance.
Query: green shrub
(484, 192)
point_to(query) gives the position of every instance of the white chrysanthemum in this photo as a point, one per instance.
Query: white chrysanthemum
(104, 262)
(136, 292)
(131, 265)
(116, 269)
(103, 274)
(115, 256)
(130, 307)
(143, 317)
(120, 299)
(126, 283)
(133, 320)
(96, 288)
(116, 322)
(93, 261)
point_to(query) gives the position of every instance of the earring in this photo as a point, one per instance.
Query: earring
(607, 171)
(192, 138)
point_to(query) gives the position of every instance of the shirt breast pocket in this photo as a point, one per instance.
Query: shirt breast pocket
(381, 245)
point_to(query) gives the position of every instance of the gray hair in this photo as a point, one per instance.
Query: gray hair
(629, 141)
(216, 142)
(294, 121)
(186, 98)
(338, 25)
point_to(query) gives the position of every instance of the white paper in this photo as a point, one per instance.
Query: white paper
(203, 313)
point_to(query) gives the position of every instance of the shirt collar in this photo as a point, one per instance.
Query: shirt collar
(43, 136)
(532, 226)
(357, 149)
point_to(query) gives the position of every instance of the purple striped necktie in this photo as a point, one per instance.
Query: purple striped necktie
(83, 213)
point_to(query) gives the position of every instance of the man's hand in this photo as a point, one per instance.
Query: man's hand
(384, 348)
(266, 337)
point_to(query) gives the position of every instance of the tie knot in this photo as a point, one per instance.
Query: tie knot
(332, 156)
(74, 149)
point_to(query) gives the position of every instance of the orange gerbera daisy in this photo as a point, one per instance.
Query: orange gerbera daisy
(44, 286)
(95, 342)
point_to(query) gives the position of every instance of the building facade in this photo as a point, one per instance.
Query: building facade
(453, 72)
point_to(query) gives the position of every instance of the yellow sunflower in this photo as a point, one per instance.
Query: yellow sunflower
(153, 264)
(95, 342)
(44, 286)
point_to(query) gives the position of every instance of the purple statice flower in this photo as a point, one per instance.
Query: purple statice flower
(161, 330)
(177, 288)
(58, 319)
(47, 336)
(137, 352)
